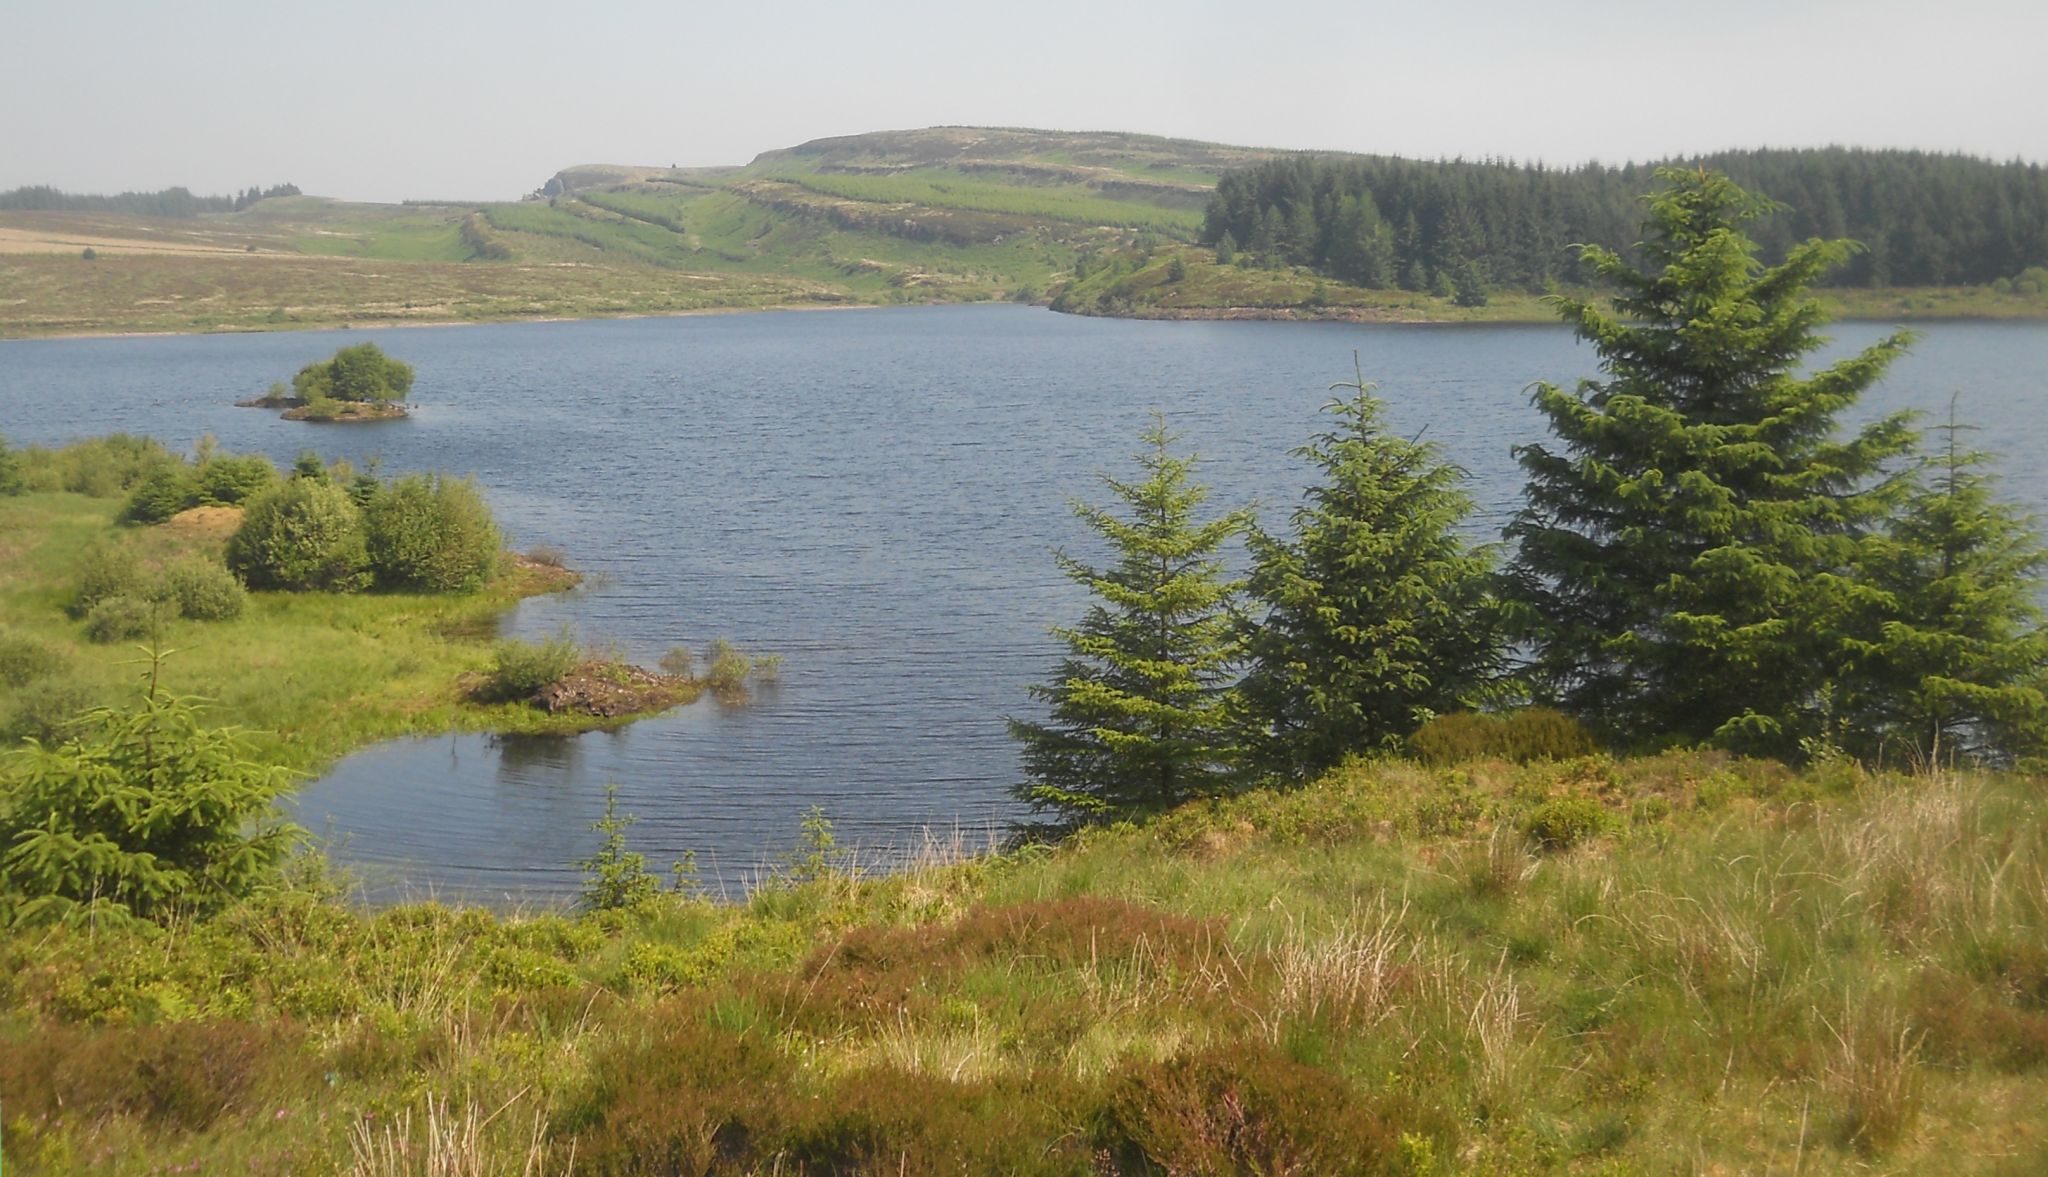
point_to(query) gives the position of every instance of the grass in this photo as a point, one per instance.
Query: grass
(950, 189)
(1747, 970)
(314, 675)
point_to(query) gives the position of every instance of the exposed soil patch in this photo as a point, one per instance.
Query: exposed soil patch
(610, 690)
(210, 524)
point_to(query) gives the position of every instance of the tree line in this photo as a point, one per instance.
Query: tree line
(1458, 227)
(1702, 558)
(170, 202)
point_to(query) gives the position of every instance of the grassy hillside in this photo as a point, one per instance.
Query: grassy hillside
(1680, 964)
(944, 214)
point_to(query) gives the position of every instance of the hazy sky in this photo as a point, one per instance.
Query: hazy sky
(384, 100)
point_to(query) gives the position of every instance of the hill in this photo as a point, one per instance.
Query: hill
(1096, 222)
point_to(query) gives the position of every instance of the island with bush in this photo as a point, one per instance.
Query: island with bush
(356, 384)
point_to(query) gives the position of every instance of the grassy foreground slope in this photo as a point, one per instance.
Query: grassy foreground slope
(1685, 963)
(944, 214)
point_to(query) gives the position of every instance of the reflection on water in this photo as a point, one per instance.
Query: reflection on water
(873, 495)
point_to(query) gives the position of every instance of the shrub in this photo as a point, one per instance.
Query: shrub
(359, 373)
(182, 1074)
(45, 713)
(166, 491)
(1248, 1109)
(725, 668)
(24, 660)
(103, 467)
(121, 619)
(235, 479)
(106, 570)
(145, 813)
(304, 534)
(521, 669)
(1566, 821)
(683, 1097)
(1522, 736)
(201, 589)
(431, 534)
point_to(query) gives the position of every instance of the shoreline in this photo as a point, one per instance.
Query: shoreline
(1363, 316)
(391, 324)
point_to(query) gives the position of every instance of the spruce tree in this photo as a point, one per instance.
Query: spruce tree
(1378, 614)
(1140, 709)
(1685, 557)
(1959, 663)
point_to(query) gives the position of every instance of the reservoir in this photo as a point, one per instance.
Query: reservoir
(873, 495)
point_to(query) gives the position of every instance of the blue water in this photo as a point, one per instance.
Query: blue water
(872, 494)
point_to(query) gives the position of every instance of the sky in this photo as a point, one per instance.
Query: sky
(458, 100)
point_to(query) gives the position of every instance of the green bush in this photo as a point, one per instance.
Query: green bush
(1566, 821)
(727, 669)
(303, 535)
(24, 660)
(201, 589)
(104, 467)
(106, 570)
(1521, 736)
(431, 534)
(144, 813)
(45, 713)
(359, 373)
(521, 669)
(121, 619)
(236, 478)
(164, 492)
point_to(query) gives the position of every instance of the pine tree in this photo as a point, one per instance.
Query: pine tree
(143, 813)
(1960, 663)
(1685, 557)
(1378, 613)
(1141, 707)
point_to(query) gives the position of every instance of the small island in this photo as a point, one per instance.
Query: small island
(358, 383)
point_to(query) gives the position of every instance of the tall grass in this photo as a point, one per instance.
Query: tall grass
(1762, 971)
